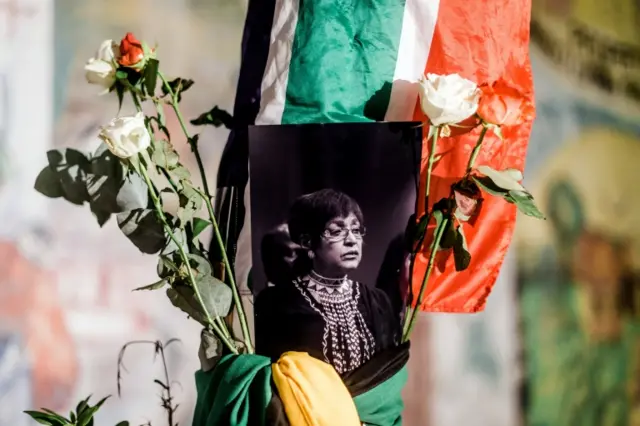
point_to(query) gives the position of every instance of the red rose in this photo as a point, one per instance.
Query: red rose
(131, 51)
(504, 105)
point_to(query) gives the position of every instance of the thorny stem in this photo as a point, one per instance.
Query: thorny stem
(194, 148)
(476, 149)
(409, 315)
(217, 321)
(413, 315)
(207, 198)
(432, 156)
(185, 260)
(227, 264)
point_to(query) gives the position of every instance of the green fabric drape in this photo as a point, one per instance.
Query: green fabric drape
(240, 391)
(382, 405)
(235, 393)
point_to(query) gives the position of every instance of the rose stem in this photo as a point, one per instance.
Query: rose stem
(207, 198)
(432, 155)
(185, 259)
(138, 105)
(217, 319)
(476, 149)
(410, 324)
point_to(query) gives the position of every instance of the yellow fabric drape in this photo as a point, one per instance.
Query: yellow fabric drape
(312, 392)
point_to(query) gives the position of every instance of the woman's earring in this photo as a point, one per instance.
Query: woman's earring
(311, 254)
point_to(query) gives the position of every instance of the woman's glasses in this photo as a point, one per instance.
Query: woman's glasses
(339, 234)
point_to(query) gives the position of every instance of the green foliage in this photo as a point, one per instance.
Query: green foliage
(523, 200)
(143, 229)
(214, 117)
(82, 416)
(177, 87)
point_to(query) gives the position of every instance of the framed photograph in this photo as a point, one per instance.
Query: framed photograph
(329, 207)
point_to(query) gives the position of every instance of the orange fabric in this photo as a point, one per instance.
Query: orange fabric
(482, 41)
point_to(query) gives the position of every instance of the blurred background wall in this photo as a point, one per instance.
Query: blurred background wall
(558, 344)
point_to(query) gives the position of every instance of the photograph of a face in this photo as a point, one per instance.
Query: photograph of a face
(329, 207)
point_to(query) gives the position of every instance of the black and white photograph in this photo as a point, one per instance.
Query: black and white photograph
(329, 207)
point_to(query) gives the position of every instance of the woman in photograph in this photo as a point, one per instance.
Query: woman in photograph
(322, 311)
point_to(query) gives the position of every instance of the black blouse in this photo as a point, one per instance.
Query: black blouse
(287, 318)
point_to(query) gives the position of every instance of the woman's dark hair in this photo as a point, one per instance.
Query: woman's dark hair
(310, 213)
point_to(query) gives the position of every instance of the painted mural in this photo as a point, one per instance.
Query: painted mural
(579, 271)
(66, 305)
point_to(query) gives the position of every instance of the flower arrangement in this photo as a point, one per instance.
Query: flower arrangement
(136, 169)
(118, 179)
(455, 104)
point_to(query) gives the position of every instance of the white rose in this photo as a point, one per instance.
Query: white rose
(100, 73)
(126, 136)
(108, 51)
(508, 179)
(448, 99)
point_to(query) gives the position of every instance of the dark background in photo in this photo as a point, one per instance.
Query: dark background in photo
(377, 164)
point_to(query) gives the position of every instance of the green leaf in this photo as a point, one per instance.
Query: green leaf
(86, 416)
(421, 228)
(449, 236)
(123, 423)
(215, 117)
(488, 186)
(526, 204)
(151, 76)
(170, 245)
(181, 173)
(164, 155)
(72, 417)
(44, 418)
(166, 267)
(216, 295)
(133, 194)
(461, 255)
(57, 416)
(74, 185)
(55, 158)
(107, 180)
(439, 217)
(101, 216)
(143, 228)
(48, 183)
(199, 225)
(82, 405)
(183, 298)
(178, 86)
(102, 401)
(154, 286)
(190, 203)
(66, 176)
(120, 89)
(73, 157)
(200, 265)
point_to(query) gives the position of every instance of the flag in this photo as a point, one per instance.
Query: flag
(321, 61)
